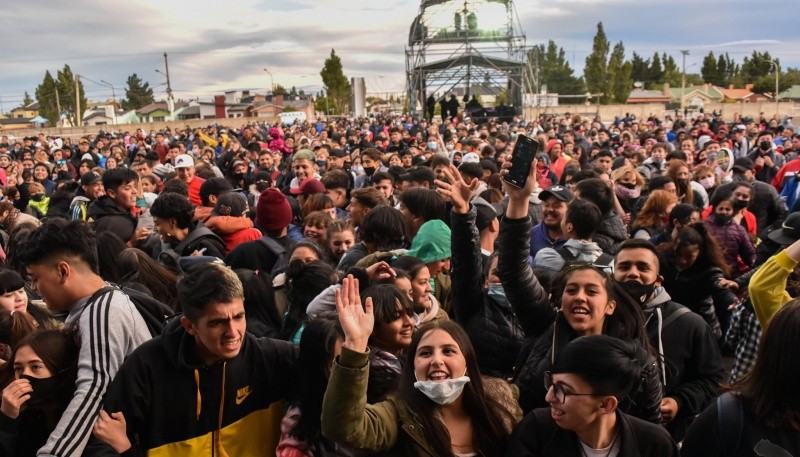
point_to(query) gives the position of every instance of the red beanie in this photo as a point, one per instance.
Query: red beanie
(550, 145)
(273, 211)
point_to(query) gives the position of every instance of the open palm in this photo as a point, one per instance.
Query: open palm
(357, 321)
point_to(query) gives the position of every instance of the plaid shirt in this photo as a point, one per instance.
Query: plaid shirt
(743, 335)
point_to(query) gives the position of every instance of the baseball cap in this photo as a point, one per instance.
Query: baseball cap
(743, 164)
(789, 231)
(308, 187)
(184, 161)
(559, 192)
(486, 213)
(90, 177)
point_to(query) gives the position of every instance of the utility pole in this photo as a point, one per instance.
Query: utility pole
(683, 80)
(113, 97)
(78, 117)
(58, 108)
(170, 99)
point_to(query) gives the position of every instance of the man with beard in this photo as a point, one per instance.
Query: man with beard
(548, 233)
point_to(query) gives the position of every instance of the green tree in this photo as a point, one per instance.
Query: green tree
(46, 96)
(757, 65)
(595, 72)
(137, 93)
(26, 99)
(640, 68)
(656, 71)
(65, 82)
(672, 74)
(554, 70)
(709, 69)
(280, 90)
(337, 86)
(293, 92)
(619, 83)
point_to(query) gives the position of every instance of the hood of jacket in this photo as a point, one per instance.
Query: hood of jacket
(432, 242)
(585, 251)
(226, 225)
(105, 206)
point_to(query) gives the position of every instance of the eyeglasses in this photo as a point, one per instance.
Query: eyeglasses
(558, 390)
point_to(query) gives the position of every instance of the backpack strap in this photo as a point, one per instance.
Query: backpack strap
(565, 253)
(730, 420)
(273, 246)
(674, 316)
(197, 233)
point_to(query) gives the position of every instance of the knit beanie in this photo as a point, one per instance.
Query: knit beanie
(273, 211)
(550, 145)
(432, 242)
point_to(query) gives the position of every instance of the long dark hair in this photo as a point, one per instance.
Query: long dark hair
(711, 253)
(304, 281)
(135, 266)
(768, 389)
(314, 359)
(489, 436)
(259, 303)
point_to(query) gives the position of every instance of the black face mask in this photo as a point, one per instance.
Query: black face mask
(628, 185)
(44, 389)
(640, 293)
(37, 198)
(765, 145)
(369, 170)
(723, 219)
(739, 205)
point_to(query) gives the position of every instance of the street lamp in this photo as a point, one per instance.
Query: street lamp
(777, 86)
(271, 82)
(114, 97)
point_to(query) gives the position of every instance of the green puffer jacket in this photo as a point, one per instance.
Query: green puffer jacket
(383, 427)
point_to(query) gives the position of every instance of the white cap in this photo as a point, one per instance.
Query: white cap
(184, 161)
(470, 157)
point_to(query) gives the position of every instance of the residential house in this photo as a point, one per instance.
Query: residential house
(156, 112)
(792, 93)
(746, 95)
(28, 111)
(638, 96)
(13, 123)
(696, 96)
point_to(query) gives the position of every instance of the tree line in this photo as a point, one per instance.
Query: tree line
(607, 71)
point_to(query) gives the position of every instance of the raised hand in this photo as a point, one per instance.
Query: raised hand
(14, 396)
(456, 190)
(379, 271)
(357, 321)
(518, 198)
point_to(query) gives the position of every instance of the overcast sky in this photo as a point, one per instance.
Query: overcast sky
(217, 45)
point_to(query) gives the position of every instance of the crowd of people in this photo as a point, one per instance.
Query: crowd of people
(373, 286)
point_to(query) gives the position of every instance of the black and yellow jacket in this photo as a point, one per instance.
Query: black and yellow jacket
(174, 405)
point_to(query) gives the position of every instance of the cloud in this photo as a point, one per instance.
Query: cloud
(215, 45)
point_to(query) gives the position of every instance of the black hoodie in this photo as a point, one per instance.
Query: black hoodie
(107, 216)
(174, 402)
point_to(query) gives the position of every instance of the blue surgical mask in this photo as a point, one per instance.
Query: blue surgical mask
(498, 294)
(432, 145)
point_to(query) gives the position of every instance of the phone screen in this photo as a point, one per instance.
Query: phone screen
(522, 157)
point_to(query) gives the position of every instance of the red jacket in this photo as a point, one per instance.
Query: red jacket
(791, 168)
(194, 190)
(233, 230)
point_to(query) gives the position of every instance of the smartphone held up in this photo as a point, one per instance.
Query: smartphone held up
(525, 151)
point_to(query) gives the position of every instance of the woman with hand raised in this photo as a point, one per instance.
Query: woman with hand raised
(441, 407)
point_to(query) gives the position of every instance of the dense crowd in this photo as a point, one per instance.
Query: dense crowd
(374, 287)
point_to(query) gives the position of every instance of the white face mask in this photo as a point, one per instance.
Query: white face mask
(707, 183)
(443, 392)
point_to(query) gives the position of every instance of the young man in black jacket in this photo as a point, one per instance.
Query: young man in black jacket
(204, 386)
(692, 369)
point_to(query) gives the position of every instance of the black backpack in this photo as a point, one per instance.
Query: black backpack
(279, 252)
(154, 312)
